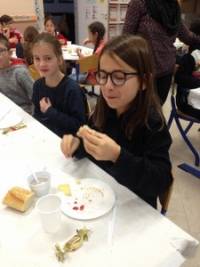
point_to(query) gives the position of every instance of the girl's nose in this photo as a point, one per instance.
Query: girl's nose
(109, 84)
(42, 62)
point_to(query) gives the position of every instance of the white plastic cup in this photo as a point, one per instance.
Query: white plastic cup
(50, 214)
(42, 187)
(69, 43)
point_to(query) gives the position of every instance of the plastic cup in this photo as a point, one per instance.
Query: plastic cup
(48, 208)
(40, 187)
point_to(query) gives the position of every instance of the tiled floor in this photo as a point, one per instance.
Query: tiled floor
(184, 205)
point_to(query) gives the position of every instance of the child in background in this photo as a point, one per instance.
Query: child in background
(29, 35)
(13, 35)
(129, 138)
(15, 81)
(188, 77)
(50, 27)
(58, 100)
(24, 50)
(96, 33)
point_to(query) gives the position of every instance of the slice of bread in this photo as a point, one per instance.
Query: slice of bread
(18, 198)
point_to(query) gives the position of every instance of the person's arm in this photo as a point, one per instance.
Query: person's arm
(74, 116)
(186, 36)
(147, 171)
(150, 173)
(134, 12)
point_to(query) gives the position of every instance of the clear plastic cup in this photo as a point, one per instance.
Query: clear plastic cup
(48, 208)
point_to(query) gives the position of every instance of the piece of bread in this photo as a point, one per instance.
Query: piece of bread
(83, 130)
(18, 198)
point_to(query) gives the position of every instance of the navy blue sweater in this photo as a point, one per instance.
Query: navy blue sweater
(143, 165)
(67, 112)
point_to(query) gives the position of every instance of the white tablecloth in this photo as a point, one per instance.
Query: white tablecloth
(141, 236)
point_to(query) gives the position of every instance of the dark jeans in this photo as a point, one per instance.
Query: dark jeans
(163, 85)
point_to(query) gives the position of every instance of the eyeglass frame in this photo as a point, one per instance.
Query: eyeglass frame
(109, 74)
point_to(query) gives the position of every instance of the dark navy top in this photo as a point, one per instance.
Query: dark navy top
(67, 112)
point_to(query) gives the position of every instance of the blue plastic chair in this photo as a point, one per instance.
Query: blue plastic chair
(177, 115)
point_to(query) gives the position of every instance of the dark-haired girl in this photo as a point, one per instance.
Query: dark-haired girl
(129, 138)
(96, 34)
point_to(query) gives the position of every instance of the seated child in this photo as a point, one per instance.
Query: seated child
(58, 100)
(50, 27)
(15, 81)
(188, 76)
(96, 33)
(128, 136)
(26, 45)
(13, 35)
(24, 50)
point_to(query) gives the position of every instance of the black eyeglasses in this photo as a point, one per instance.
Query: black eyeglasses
(117, 77)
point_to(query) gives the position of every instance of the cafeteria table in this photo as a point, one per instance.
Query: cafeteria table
(131, 234)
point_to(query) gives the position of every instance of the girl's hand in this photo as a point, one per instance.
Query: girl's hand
(45, 103)
(69, 145)
(100, 146)
(86, 41)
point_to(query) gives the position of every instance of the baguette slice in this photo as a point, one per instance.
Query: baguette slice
(18, 198)
(83, 129)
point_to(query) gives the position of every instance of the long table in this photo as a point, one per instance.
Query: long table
(69, 52)
(132, 234)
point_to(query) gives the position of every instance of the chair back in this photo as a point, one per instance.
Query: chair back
(177, 116)
(89, 63)
(33, 72)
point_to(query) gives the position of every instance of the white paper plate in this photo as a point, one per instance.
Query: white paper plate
(90, 199)
(10, 119)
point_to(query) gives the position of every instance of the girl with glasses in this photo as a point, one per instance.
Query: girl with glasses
(128, 137)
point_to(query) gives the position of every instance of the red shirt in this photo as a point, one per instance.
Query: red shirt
(17, 34)
(60, 37)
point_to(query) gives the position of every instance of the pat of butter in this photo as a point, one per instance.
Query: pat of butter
(65, 188)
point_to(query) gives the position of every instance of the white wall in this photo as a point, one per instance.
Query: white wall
(17, 7)
(24, 12)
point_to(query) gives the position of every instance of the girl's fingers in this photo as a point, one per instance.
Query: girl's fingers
(93, 139)
(90, 148)
(66, 144)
